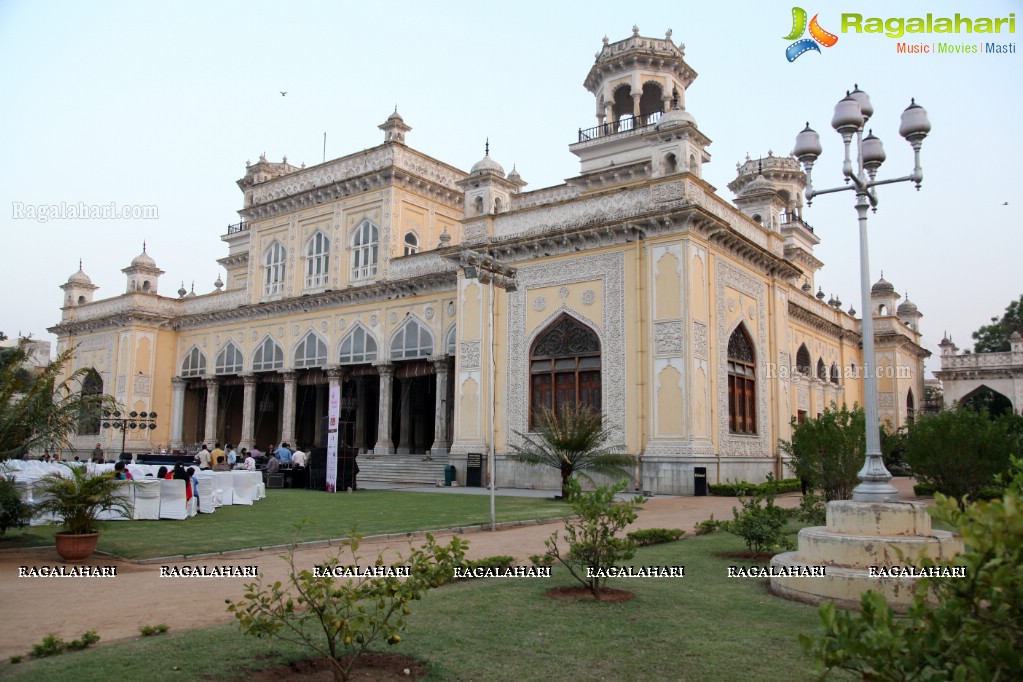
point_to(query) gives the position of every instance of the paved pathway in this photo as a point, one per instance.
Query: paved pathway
(116, 607)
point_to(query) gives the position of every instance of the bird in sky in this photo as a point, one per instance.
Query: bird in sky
(283, 93)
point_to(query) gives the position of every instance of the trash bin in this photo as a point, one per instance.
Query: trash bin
(449, 475)
(700, 481)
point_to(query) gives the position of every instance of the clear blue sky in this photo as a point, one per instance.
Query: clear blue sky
(162, 103)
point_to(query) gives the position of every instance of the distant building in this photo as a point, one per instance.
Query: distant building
(994, 378)
(690, 322)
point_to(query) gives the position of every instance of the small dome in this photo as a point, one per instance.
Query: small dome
(79, 277)
(907, 307)
(673, 118)
(759, 185)
(882, 286)
(143, 259)
(487, 165)
(395, 116)
(514, 175)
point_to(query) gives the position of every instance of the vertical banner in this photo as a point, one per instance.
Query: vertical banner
(333, 411)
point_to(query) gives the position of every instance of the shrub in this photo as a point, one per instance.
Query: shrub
(812, 510)
(592, 536)
(340, 618)
(14, 513)
(87, 640)
(50, 646)
(957, 628)
(760, 523)
(828, 452)
(15, 660)
(708, 526)
(960, 451)
(153, 630)
(742, 488)
(655, 536)
(500, 561)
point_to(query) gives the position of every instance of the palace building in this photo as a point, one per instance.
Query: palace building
(449, 305)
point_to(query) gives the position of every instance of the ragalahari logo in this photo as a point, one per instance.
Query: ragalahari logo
(817, 35)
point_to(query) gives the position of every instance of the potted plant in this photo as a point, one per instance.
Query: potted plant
(77, 498)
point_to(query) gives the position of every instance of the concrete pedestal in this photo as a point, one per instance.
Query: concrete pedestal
(858, 536)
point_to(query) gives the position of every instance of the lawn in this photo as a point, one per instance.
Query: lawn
(704, 626)
(373, 512)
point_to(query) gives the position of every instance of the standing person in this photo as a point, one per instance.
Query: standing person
(232, 456)
(217, 452)
(298, 458)
(98, 456)
(203, 457)
(283, 453)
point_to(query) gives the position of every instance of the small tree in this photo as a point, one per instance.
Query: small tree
(340, 618)
(760, 523)
(14, 513)
(593, 538)
(957, 628)
(994, 337)
(572, 441)
(828, 452)
(961, 450)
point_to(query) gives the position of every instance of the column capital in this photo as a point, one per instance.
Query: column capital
(250, 379)
(289, 375)
(179, 382)
(441, 363)
(337, 371)
(211, 380)
(384, 368)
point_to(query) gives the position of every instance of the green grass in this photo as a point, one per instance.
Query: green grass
(373, 512)
(705, 626)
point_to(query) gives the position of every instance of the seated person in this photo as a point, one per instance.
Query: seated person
(162, 472)
(273, 464)
(250, 462)
(221, 465)
(179, 474)
(121, 473)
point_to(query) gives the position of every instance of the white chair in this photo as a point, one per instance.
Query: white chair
(127, 493)
(173, 504)
(147, 498)
(245, 486)
(205, 491)
(224, 484)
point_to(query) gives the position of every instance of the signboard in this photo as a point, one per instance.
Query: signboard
(474, 470)
(333, 410)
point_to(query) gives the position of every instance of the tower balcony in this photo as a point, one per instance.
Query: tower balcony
(625, 125)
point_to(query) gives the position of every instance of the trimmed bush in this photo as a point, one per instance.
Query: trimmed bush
(742, 488)
(655, 536)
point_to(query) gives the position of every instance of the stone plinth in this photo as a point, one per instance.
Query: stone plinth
(857, 537)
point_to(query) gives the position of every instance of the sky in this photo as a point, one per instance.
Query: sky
(161, 104)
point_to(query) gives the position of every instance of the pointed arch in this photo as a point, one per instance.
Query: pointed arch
(358, 347)
(834, 374)
(311, 351)
(413, 339)
(365, 250)
(822, 370)
(451, 341)
(411, 246)
(742, 382)
(317, 260)
(273, 268)
(229, 360)
(268, 356)
(564, 367)
(88, 420)
(910, 407)
(803, 360)
(194, 363)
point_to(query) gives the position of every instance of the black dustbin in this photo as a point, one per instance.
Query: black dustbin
(449, 474)
(700, 481)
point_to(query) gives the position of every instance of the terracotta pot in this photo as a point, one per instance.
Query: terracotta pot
(76, 548)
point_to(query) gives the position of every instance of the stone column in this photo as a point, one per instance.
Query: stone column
(384, 445)
(212, 397)
(248, 411)
(440, 422)
(405, 419)
(177, 441)
(635, 109)
(288, 410)
(611, 124)
(360, 414)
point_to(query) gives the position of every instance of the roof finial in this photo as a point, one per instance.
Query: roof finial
(143, 246)
(79, 264)
(760, 166)
(487, 147)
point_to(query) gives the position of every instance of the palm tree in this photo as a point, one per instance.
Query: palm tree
(573, 440)
(42, 412)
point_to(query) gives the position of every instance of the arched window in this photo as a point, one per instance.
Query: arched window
(478, 205)
(670, 165)
(194, 364)
(411, 243)
(268, 356)
(317, 262)
(311, 352)
(822, 370)
(273, 276)
(365, 250)
(834, 374)
(358, 347)
(229, 360)
(742, 384)
(413, 340)
(564, 368)
(88, 418)
(803, 360)
(498, 207)
(450, 341)
(910, 407)
(882, 310)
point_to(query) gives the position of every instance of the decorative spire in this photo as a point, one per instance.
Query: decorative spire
(486, 147)
(79, 264)
(143, 246)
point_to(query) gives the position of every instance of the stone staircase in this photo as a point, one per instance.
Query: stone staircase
(403, 469)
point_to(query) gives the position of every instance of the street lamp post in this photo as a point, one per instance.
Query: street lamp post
(851, 115)
(133, 421)
(488, 270)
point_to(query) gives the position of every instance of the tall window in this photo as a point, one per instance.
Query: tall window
(564, 368)
(365, 249)
(910, 407)
(413, 340)
(742, 384)
(267, 356)
(449, 342)
(194, 364)
(88, 419)
(803, 360)
(834, 374)
(358, 347)
(311, 352)
(273, 276)
(411, 243)
(229, 360)
(317, 261)
(822, 371)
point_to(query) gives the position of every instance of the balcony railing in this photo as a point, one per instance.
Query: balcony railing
(237, 227)
(626, 124)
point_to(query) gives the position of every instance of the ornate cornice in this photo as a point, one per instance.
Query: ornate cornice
(808, 317)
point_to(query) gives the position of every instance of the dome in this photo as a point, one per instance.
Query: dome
(143, 260)
(674, 118)
(760, 185)
(79, 277)
(882, 286)
(907, 307)
(514, 175)
(396, 116)
(487, 165)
